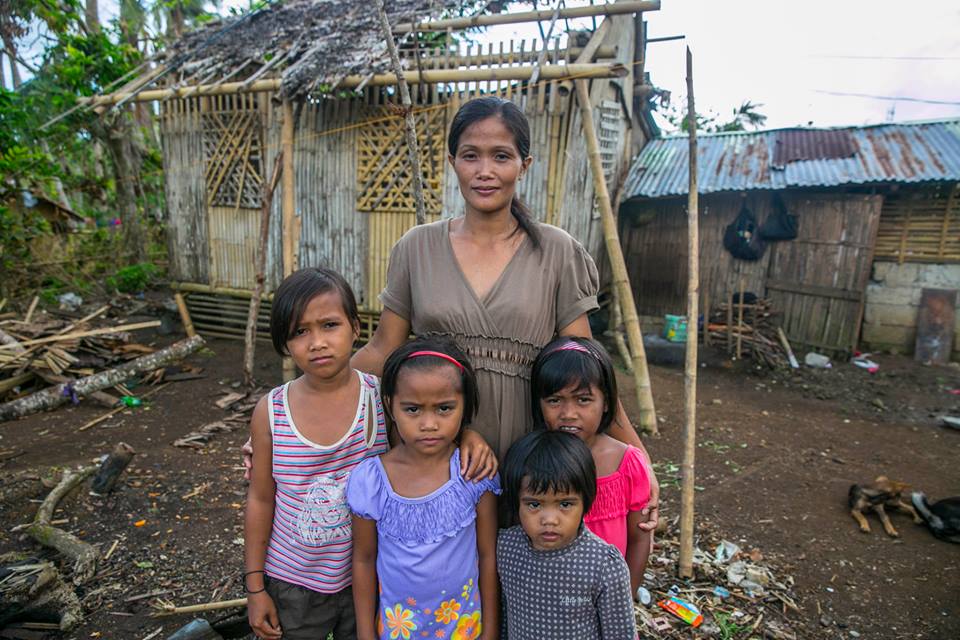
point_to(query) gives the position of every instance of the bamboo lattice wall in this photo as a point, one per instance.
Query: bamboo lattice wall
(921, 225)
(352, 199)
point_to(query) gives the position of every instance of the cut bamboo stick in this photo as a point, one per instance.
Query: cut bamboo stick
(685, 568)
(184, 314)
(413, 146)
(196, 608)
(288, 209)
(647, 413)
(740, 316)
(31, 309)
(253, 312)
(86, 334)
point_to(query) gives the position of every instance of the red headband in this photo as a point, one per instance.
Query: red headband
(437, 354)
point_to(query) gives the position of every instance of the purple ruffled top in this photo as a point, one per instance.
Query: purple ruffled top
(427, 560)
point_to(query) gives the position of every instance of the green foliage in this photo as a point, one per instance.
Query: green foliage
(729, 630)
(16, 232)
(134, 278)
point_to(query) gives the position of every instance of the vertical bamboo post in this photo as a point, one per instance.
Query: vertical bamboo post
(413, 148)
(184, 314)
(648, 416)
(266, 203)
(740, 318)
(288, 209)
(690, 369)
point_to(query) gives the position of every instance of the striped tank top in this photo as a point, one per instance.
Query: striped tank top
(311, 542)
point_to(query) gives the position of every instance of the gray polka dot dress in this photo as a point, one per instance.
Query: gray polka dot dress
(580, 592)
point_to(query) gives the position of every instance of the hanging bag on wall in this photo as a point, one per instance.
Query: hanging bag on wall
(741, 238)
(779, 225)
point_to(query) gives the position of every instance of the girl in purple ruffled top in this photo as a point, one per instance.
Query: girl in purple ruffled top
(424, 539)
(575, 391)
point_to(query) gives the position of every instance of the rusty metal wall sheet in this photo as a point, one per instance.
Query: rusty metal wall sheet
(904, 153)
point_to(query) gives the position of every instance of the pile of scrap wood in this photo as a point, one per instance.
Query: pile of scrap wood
(750, 330)
(50, 358)
(240, 407)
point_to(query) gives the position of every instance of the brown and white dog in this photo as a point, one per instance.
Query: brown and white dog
(874, 497)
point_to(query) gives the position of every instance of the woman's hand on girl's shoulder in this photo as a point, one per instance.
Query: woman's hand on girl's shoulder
(477, 459)
(651, 512)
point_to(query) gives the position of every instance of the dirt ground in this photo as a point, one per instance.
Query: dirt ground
(776, 456)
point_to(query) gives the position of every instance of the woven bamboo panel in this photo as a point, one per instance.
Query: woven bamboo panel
(921, 226)
(233, 150)
(384, 177)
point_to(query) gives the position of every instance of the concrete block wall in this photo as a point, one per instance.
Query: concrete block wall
(893, 301)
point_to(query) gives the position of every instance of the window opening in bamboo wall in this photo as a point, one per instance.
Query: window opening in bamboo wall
(921, 225)
(385, 182)
(232, 142)
(232, 133)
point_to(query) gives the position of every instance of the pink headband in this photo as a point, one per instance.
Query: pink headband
(571, 345)
(437, 354)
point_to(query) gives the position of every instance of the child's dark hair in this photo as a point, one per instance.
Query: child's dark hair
(295, 293)
(549, 461)
(580, 361)
(514, 120)
(404, 359)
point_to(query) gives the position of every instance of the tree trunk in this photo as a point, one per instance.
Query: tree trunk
(118, 136)
(83, 555)
(111, 469)
(54, 396)
(11, 50)
(92, 16)
(175, 22)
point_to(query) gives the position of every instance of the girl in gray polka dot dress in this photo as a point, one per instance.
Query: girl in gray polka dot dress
(558, 579)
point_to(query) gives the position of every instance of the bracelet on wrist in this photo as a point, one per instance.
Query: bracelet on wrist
(246, 588)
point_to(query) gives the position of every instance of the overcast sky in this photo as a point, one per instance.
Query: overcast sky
(795, 58)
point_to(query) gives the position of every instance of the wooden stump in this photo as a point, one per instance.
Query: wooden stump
(112, 467)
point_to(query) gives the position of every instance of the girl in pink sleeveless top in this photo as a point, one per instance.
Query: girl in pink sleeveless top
(308, 436)
(575, 391)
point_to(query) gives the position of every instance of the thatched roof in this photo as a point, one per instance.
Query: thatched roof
(310, 42)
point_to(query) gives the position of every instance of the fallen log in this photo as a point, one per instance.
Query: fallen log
(111, 468)
(83, 555)
(13, 344)
(61, 393)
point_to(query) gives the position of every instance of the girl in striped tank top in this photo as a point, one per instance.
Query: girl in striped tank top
(308, 435)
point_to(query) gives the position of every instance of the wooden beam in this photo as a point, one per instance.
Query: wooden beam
(611, 9)
(429, 76)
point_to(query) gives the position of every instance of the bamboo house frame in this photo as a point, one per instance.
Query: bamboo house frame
(222, 92)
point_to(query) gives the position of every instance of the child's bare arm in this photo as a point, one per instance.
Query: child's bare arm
(258, 525)
(638, 549)
(365, 577)
(489, 582)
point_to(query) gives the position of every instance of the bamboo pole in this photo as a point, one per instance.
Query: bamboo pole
(288, 207)
(184, 314)
(83, 334)
(609, 9)
(429, 76)
(266, 203)
(690, 369)
(413, 148)
(197, 608)
(648, 416)
(740, 318)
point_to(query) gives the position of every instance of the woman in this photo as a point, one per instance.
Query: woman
(497, 282)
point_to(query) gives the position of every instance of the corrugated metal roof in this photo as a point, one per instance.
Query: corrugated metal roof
(905, 153)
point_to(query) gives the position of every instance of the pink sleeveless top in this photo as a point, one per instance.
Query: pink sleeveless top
(311, 541)
(626, 489)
